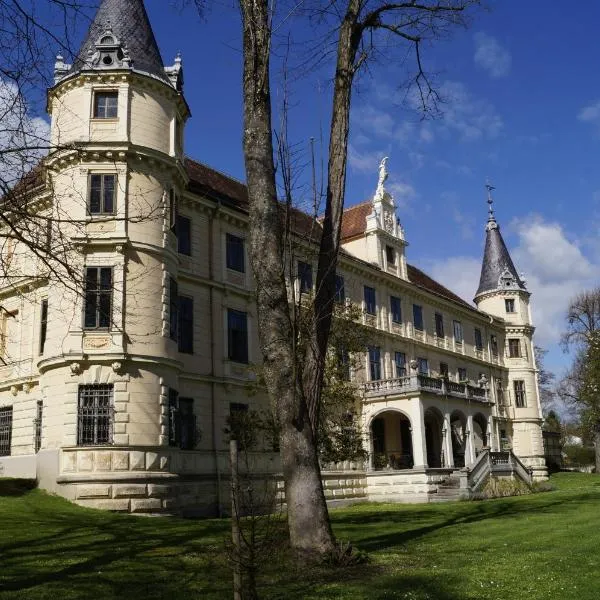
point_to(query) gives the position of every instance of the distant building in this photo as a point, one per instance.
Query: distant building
(117, 395)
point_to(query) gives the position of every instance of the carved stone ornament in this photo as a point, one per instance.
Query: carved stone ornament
(95, 343)
(117, 366)
(388, 221)
(14, 390)
(27, 387)
(75, 368)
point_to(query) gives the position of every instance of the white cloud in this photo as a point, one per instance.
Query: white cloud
(459, 274)
(491, 56)
(402, 191)
(364, 161)
(590, 114)
(23, 139)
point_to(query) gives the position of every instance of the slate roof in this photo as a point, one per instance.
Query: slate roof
(496, 260)
(130, 24)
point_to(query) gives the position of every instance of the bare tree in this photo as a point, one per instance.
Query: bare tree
(546, 381)
(295, 386)
(581, 385)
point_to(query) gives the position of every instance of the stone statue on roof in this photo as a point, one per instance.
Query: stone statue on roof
(383, 174)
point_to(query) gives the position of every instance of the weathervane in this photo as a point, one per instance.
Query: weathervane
(489, 187)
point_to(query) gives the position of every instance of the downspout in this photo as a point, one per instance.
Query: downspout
(211, 274)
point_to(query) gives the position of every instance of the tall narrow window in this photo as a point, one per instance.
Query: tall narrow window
(396, 309)
(462, 374)
(418, 317)
(237, 336)
(184, 235)
(173, 417)
(478, 339)
(494, 344)
(370, 300)
(182, 422)
(95, 415)
(102, 195)
(375, 363)
(514, 348)
(173, 309)
(106, 105)
(390, 256)
(444, 370)
(43, 324)
(37, 424)
(305, 276)
(186, 324)
(519, 387)
(458, 332)
(6, 422)
(509, 304)
(173, 211)
(98, 297)
(343, 360)
(423, 366)
(234, 250)
(238, 424)
(340, 291)
(439, 325)
(400, 364)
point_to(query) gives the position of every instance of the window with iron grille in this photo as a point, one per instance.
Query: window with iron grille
(106, 105)
(37, 425)
(396, 309)
(186, 324)
(418, 317)
(400, 363)
(439, 325)
(514, 348)
(6, 420)
(43, 324)
(370, 300)
(234, 251)
(237, 336)
(95, 415)
(173, 309)
(182, 422)
(478, 339)
(184, 235)
(98, 297)
(375, 363)
(340, 291)
(519, 387)
(103, 190)
(305, 276)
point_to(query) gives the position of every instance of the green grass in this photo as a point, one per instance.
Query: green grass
(544, 546)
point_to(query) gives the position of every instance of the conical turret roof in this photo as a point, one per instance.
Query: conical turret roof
(129, 23)
(498, 270)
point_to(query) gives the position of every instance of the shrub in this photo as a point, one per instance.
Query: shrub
(502, 488)
(579, 455)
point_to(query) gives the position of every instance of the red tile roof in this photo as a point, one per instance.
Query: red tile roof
(422, 280)
(354, 220)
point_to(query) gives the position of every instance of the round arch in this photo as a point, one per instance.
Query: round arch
(458, 433)
(390, 433)
(434, 437)
(480, 433)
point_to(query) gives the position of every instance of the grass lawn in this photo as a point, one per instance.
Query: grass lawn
(544, 546)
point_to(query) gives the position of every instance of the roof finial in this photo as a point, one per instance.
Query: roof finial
(491, 224)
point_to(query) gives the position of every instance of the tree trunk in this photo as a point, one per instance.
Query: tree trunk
(308, 520)
(348, 39)
(597, 446)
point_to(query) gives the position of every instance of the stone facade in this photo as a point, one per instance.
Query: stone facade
(132, 414)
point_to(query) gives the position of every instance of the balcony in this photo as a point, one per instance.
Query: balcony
(424, 383)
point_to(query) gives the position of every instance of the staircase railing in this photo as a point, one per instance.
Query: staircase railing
(488, 463)
(479, 470)
(521, 470)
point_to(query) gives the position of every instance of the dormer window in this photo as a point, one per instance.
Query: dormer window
(106, 105)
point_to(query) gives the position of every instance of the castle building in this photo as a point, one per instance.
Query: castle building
(116, 386)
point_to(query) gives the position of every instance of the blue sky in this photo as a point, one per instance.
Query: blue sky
(522, 109)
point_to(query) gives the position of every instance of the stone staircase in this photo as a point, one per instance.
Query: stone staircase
(449, 491)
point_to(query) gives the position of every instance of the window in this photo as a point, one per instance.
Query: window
(37, 424)
(173, 211)
(462, 374)
(444, 370)
(98, 297)
(239, 425)
(375, 363)
(499, 392)
(182, 422)
(418, 317)
(340, 290)
(439, 325)
(400, 362)
(423, 366)
(519, 387)
(514, 348)
(173, 309)
(103, 190)
(509, 303)
(106, 105)
(494, 344)
(95, 415)
(478, 339)
(343, 360)
(390, 256)
(305, 276)
(184, 235)
(237, 336)
(186, 324)
(235, 253)
(6, 420)
(43, 324)
(370, 300)
(458, 332)
(396, 309)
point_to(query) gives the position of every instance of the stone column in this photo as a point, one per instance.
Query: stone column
(470, 443)
(491, 434)
(417, 422)
(448, 442)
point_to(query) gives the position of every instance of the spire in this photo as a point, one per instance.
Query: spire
(497, 271)
(121, 36)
